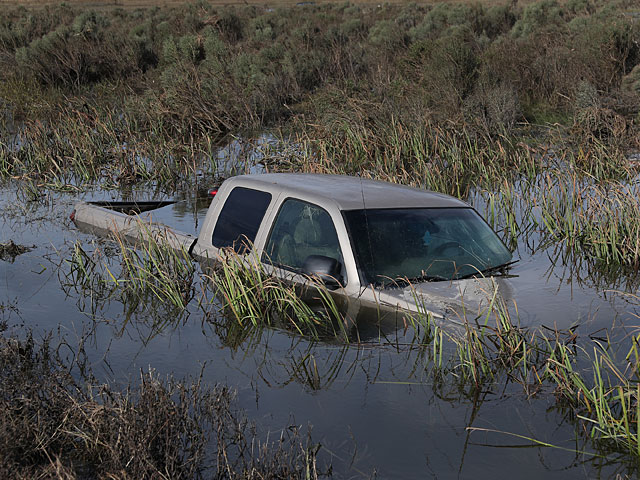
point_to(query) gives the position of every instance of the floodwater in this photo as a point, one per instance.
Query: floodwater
(373, 407)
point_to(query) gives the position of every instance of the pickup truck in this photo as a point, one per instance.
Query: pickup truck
(371, 242)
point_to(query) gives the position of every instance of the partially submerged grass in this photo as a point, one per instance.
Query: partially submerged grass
(55, 424)
(153, 268)
(540, 196)
(254, 297)
(422, 154)
(153, 280)
(598, 389)
(85, 146)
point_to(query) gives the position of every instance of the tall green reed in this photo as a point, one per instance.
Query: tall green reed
(254, 296)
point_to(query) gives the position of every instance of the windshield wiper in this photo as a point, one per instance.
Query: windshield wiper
(404, 281)
(489, 270)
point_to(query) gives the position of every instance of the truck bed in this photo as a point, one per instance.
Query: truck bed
(104, 221)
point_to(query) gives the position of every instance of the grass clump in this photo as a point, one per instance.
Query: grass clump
(153, 280)
(153, 268)
(10, 250)
(598, 390)
(606, 405)
(473, 354)
(253, 296)
(600, 220)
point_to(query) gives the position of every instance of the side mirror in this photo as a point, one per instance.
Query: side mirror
(326, 268)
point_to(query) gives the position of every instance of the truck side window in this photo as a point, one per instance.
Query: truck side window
(301, 229)
(240, 218)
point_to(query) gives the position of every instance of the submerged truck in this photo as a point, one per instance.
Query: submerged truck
(369, 242)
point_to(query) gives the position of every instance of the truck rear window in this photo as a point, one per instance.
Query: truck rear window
(240, 218)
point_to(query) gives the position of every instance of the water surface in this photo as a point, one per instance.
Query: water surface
(374, 407)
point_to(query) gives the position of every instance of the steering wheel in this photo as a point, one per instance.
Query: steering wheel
(446, 246)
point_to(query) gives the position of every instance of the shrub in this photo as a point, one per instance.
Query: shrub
(447, 68)
(497, 20)
(408, 16)
(441, 17)
(386, 35)
(493, 108)
(262, 29)
(631, 81)
(230, 25)
(81, 53)
(539, 16)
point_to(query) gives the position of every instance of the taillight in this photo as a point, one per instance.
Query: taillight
(212, 193)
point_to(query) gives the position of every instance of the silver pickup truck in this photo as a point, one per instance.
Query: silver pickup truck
(371, 242)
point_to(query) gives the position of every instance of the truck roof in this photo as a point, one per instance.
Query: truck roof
(350, 193)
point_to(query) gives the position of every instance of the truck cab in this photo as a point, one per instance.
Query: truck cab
(373, 241)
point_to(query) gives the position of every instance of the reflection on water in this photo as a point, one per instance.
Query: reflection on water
(376, 404)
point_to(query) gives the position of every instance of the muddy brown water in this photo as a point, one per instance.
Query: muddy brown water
(374, 407)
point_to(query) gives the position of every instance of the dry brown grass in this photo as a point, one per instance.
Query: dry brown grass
(59, 422)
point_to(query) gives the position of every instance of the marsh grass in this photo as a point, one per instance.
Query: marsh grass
(152, 268)
(419, 154)
(593, 384)
(254, 297)
(153, 281)
(478, 353)
(607, 405)
(89, 145)
(62, 425)
(538, 196)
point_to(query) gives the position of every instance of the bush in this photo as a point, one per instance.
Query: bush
(386, 35)
(493, 108)
(596, 123)
(631, 81)
(230, 25)
(82, 53)
(538, 17)
(447, 68)
(497, 20)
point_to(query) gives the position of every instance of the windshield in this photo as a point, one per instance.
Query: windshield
(422, 244)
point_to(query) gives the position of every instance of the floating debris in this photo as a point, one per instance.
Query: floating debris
(10, 250)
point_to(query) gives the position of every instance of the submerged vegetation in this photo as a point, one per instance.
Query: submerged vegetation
(58, 423)
(492, 351)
